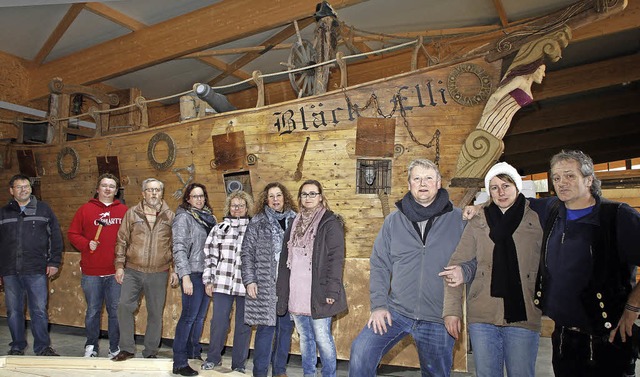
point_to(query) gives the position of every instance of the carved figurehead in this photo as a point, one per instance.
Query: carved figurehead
(484, 145)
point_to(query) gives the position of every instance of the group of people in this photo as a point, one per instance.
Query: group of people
(281, 267)
(571, 257)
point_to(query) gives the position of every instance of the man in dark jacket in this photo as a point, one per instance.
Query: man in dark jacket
(30, 252)
(413, 246)
(590, 250)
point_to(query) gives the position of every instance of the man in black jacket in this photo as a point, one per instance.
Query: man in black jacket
(30, 252)
(589, 253)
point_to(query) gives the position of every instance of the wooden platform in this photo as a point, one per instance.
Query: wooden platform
(81, 366)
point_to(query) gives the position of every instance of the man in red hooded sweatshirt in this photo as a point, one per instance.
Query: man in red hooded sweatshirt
(93, 232)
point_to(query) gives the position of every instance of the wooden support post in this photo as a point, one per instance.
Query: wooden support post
(343, 69)
(414, 56)
(144, 112)
(260, 85)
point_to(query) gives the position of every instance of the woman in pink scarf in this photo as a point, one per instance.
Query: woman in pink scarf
(310, 277)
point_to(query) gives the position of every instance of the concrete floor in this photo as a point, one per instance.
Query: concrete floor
(69, 341)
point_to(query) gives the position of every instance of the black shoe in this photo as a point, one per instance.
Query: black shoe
(47, 352)
(195, 357)
(123, 355)
(151, 357)
(185, 371)
(16, 353)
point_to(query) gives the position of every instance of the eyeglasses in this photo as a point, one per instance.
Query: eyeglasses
(153, 189)
(197, 197)
(22, 187)
(238, 206)
(311, 195)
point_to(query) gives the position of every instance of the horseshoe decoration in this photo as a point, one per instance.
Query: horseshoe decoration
(70, 174)
(171, 158)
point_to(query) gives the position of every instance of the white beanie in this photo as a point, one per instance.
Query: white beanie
(503, 168)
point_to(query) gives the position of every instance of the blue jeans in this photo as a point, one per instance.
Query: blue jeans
(272, 343)
(186, 341)
(99, 290)
(222, 304)
(435, 346)
(316, 332)
(495, 347)
(34, 289)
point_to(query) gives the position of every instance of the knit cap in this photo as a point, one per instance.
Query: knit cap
(503, 168)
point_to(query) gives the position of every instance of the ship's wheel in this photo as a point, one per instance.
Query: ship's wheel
(302, 55)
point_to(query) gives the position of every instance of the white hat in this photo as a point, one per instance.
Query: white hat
(503, 168)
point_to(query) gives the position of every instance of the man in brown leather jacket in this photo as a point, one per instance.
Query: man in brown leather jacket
(143, 260)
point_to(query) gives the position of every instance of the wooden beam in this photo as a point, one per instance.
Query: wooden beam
(603, 150)
(58, 32)
(483, 40)
(201, 29)
(573, 21)
(135, 25)
(115, 16)
(589, 76)
(358, 41)
(625, 20)
(578, 110)
(222, 66)
(578, 133)
(279, 37)
(501, 12)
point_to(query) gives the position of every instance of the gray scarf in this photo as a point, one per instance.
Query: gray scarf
(277, 234)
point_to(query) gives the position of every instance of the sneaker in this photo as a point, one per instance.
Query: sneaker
(16, 352)
(210, 365)
(114, 353)
(47, 352)
(89, 352)
(240, 370)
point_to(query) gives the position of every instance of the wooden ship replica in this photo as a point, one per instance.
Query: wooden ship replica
(356, 140)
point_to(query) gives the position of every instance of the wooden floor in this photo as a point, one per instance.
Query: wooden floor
(96, 366)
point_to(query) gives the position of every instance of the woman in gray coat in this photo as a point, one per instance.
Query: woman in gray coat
(190, 228)
(261, 247)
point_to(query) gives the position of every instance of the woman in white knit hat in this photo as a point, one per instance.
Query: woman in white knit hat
(498, 257)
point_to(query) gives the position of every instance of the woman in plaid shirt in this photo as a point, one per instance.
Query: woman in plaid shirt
(223, 282)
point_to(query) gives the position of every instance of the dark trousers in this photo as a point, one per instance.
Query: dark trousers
(578, 354)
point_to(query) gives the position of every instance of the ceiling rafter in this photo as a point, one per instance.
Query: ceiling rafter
(115, 16)
(580, 110)
(135, 25)
(222, 66)
(354, 44)
(58, 32)
(572, 80)
(279, 37)
(501, 12)
(165, 41)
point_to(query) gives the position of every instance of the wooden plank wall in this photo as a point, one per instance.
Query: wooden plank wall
(330, 158)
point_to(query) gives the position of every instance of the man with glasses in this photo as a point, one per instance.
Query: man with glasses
(406, 293)
(30, 252)
(143, 259)
(93, 232)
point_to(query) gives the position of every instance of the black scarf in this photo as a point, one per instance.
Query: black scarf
(505, 274)
(416, 213)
